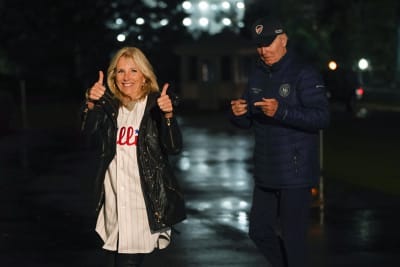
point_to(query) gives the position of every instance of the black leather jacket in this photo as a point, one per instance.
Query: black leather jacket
(157, 138)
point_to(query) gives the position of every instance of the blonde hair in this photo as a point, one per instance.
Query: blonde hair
(143, 64)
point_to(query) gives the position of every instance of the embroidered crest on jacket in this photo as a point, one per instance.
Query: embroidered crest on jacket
(284, 90)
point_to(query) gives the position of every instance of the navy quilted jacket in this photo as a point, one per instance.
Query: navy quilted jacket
(286, 149)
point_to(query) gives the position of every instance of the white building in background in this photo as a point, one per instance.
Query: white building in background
(213, 16)
(213, 70)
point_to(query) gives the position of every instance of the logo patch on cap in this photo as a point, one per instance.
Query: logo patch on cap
(259, 28)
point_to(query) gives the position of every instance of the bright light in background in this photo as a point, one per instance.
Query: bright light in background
(164, 22)
(150, 3)
(140, 21)
(203, 22)
(203, 16)
(187, 22)
(184, 163)
(121, 37)
(119, 21)
(363, 64)
(226, 21)
(186, 5)
(359, 92)
(240, 5)
(226, 5)
(332, 65)
(203, 5)
(213, 15)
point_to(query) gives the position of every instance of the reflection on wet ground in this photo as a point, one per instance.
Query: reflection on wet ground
(214, 167)
(348, 228)
(44, 198)
(215, 170)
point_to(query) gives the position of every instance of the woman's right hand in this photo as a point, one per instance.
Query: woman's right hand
(97, 90)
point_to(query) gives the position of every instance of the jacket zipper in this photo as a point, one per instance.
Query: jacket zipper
(295, 164)
(170, 132)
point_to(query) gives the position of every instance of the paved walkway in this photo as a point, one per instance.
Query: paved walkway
(46, 218)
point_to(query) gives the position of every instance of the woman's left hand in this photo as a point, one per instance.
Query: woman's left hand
(164, 102)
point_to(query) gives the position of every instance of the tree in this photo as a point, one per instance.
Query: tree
(365, 29)
(341, 30)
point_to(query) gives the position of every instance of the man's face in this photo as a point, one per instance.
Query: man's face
(275, 51)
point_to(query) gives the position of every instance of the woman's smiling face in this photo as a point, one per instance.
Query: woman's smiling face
(129, 78)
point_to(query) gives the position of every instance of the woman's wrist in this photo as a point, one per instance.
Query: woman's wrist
(89, 104)
(168, 115)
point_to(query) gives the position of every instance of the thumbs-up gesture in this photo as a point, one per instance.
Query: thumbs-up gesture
(164, 102)
(97, 90)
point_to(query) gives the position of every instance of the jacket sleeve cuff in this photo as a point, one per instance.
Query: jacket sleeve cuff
(281, 112)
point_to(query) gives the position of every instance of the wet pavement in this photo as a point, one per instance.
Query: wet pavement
(46, 219)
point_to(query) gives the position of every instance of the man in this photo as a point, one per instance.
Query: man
(285, 104)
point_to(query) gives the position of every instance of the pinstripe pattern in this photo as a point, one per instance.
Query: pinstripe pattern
(122, 223)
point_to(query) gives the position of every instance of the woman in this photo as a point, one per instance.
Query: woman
(132, 128)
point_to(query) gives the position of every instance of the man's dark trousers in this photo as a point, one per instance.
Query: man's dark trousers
(279, 222)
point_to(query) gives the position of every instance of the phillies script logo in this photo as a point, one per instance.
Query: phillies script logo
(127, 136)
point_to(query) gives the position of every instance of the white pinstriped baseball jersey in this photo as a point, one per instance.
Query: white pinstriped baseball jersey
(122, 223)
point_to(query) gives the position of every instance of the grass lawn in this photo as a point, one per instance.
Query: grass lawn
(364, 152)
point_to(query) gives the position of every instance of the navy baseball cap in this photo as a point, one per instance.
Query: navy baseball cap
(265, 30)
